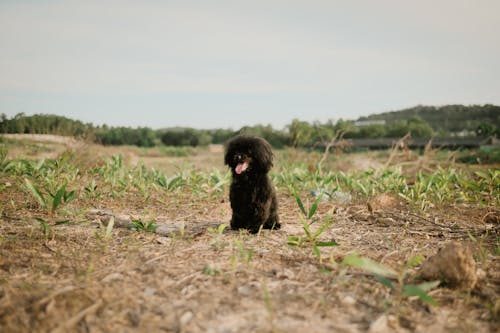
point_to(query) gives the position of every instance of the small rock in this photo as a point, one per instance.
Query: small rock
(149, 291)
(112, 277)
(481, 275)
(348, 300)
(385, 221)
(386, 324)
(134, 317)
(186, 318)
(285, 274)
(245, 290)
(342, 198)
(382, 202)
(163, 240)
(318, 192)
(453, 265)
(170, 230)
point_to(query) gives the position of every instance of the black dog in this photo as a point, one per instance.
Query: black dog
(252, 195)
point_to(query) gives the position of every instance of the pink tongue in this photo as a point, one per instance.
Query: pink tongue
(241, 167)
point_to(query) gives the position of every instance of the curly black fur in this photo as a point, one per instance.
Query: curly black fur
(252, 195)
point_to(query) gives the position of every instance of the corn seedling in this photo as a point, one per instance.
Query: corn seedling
(210, 271)
(91, 190)
(384, 275)
(307, 219)
(50, 201)
(217, 242)
(45, 227)
(140, 225)
(106, 231)
(243, 253)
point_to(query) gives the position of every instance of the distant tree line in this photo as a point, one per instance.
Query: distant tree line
(449, 120)
(420, 122)
(44, 124)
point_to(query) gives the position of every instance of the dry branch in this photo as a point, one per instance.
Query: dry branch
(76, 318)
(166, 228)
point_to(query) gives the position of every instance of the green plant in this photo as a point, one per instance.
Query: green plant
(106, 231)
(45, 227)
(217, 242)
(50, 200)
(384, 275)
(307, 219)
(91, 190)
(141, 225)
(483, 251)
(4, 163)
(210, 271)
(243, 254)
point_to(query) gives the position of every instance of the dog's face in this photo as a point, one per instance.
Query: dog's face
(248, 154)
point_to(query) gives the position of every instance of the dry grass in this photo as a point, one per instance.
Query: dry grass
(76, 279)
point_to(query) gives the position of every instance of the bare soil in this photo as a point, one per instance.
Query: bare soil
(76, 280)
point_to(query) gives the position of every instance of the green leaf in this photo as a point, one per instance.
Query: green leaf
(307, 229)
(414, 261)
(36, 193)
(316, 251)
(62, 222)
(293, 240)
(56, 201)
(482, 174)
(109, 228)
(412, 290)
(173, 182)
(322, 229)
(151, 226)
(368, 265)
(331, 243)
(221, 227)
(427, 286)
(384, 281)
(299, 203)
(362, 188)
(69, 196)
(314, 206)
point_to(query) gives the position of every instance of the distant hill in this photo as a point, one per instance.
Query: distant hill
(421, 121)
(446, 120)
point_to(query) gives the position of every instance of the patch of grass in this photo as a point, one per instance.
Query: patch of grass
(384, 275)
(48, 200)
(217, 242)
(485, 155)
(307, 219)
(172, 151)
(241, 252)
(141, 225)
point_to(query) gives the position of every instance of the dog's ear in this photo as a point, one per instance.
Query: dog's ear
(263, 155)
(227, 154)
(229, 150)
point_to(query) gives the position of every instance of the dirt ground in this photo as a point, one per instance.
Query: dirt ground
(199, 280)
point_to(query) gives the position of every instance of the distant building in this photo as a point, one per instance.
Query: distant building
(361, 123)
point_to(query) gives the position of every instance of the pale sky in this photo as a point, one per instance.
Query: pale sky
(226, 64)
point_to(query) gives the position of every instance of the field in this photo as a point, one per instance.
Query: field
(122, 239)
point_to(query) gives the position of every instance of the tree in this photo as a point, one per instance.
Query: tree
(300, 133)
(419, 128)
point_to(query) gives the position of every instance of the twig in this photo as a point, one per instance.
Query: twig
(76, 318)
(395, 147)
(55, 294)
(338, 136)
